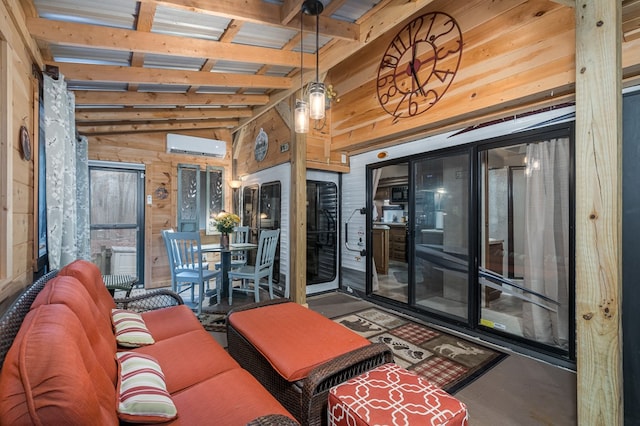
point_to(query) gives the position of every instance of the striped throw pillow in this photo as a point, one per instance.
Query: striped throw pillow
(130, 329)
(142, 393)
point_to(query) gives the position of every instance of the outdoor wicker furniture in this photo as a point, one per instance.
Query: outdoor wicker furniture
(65, 363)
(298, 354)
(122, 282)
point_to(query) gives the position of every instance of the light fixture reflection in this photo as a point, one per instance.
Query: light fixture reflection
(301, 116)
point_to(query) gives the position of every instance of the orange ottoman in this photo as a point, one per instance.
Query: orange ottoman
(298, 354)
(391, 395)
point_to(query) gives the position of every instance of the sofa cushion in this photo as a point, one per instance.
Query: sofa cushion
(189, 359)
(169, 322)
(67, 290)
(89, 275)
(294, 339)
(130, 329)
(52, 376)
(234, 397)
(142, 393)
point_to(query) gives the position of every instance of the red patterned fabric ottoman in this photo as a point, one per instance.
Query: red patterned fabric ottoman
(391, 395)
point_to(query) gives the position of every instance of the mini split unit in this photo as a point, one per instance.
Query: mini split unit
(191, 145)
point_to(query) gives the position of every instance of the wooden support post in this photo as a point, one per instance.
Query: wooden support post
(298, 214)
(598, 212)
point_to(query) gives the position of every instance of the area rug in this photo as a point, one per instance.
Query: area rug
(445, 360)
(213, 322)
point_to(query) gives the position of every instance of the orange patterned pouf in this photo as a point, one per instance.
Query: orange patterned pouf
(392, 395)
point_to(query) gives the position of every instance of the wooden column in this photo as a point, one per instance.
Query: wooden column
(298, 214)
(598, 212)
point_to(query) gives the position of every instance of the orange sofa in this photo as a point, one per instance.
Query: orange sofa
(61, 366)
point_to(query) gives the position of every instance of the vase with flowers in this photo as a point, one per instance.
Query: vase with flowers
(225, 222)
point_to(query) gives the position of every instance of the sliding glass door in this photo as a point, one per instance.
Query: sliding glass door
(488, 238)
(441, 234)
(524, 271)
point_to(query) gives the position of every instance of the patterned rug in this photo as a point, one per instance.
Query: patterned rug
(445, 360)
(213, 322)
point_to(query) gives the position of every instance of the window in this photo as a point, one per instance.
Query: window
(200, 197)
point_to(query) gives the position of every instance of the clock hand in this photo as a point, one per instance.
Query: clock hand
(414, 70)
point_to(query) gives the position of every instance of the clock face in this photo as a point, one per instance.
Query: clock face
(262, 145)
(419, 65)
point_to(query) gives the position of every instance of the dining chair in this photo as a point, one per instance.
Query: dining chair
(240, 234)
(187, 267)
(263, 268)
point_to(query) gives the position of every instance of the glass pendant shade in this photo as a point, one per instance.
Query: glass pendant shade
(301, 116)
(316, 100)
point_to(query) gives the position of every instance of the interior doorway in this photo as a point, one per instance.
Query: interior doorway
(322, 231)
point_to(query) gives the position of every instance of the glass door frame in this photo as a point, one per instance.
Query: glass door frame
(139, 169)
(535, 135)
(472, 325)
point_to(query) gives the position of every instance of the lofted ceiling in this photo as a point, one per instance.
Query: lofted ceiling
(159, 65)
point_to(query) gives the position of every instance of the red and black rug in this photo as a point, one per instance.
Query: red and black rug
(445, 360)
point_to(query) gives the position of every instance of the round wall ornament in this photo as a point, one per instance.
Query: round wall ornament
(161, 193)
(419, 65)
(262, 145)
(25, 143)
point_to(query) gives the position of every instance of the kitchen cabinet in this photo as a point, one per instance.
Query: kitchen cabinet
(398, 243)
(381, 249)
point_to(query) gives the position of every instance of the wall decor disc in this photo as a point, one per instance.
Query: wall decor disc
(25, 143)
(262, 145)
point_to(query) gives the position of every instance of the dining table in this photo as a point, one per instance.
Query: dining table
(225, 260)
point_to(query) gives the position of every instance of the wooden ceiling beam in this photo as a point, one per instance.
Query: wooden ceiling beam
(144, 23)
(153, 127)
(261, 12)
(94, 97)
(289, 9)
(74, 34)
(145, 114)
(119, 74)
(568, 3)
(390, 14)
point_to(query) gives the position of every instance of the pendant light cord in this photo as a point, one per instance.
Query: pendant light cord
(301, 53)
(317, 48)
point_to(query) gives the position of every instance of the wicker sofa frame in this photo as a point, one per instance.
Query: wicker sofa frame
(306, 399)
(11, 320)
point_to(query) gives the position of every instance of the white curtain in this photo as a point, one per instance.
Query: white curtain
(547, 240)
(66, 177)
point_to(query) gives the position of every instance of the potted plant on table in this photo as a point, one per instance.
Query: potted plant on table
(225, 223)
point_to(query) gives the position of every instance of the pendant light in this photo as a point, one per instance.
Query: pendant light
(301, 112)
(317, 94)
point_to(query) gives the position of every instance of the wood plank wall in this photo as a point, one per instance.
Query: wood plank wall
(277, 124)
(530, 59)
(161, 170)
(17, 96)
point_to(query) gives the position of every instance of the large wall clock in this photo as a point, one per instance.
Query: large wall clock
(419, 65)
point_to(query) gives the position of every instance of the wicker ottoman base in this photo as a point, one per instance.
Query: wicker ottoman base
(305, 398)
(391, 395)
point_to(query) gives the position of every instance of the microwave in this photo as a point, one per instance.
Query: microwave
(400, 194)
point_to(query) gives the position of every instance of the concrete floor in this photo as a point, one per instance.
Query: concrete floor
(519, 391)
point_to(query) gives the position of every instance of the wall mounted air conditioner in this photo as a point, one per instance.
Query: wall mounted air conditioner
(191, 145)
